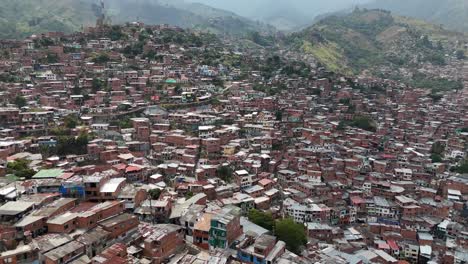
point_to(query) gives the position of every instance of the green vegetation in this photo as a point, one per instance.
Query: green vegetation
(49, 59)
(437, 148)
(279, 115)
(67, 144)
(101, 58)
(452, 14)
(188, 195)
(71, 121)
(367, 39)
(225, 173)
(122, 123)
(292, 233)
(20, 101)
(328, 54)
(97, 85)
(362, 122)
(154, 194)
(420, 80)
(8, 78)
(266, 89)
(436, 158)
(262, 40)
(460, 55)
(116, 33)
(22, 18)
(262, 219)
(133, 50)
(462, 168)
(72, 145)
(20, 168)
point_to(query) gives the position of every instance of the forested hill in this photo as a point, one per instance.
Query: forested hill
(453, 14)
(21, 18)
(367, 39)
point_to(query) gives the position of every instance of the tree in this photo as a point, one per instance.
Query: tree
(97, 84)
(436, 157)
(20, 168)
(460, 55)
(218, 82)
(189, 195)
(292, 233)
(52, 58)
(279, 115)
(70, 145)
(116, 33)
(225, 173)
(341, 126)
(154, 194)
(70, 121)
(20, 101)
(437, 148)
(463, 168)
(101, 58)
(262, 219)
(178, 89)
(76, 90)
(364, 122)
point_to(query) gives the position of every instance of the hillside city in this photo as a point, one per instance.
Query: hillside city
(144, 143)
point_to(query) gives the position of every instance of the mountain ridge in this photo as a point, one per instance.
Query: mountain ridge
(453, 14)
(21, 18)
(366, 39)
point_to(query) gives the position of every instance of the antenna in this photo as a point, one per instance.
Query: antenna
(102, 14)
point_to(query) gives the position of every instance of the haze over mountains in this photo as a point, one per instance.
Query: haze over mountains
(20, 18)
(283, 14)
(369, 39)
(453, 14)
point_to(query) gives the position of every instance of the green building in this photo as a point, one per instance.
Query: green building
(225, 227)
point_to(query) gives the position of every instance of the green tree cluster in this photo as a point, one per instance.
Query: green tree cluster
(20, 168)
(70, 121)
(463, 167)
(364, 122)
(225, 173)
(101, 58)
(154, 194)
(436, 151)
(460, 54)
(262, 219)
(67, 145)
(20, 101)
(97, 85)
(292, 233)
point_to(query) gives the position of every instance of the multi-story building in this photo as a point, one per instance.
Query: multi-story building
(225, 227)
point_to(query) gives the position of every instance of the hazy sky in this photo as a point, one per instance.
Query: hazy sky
(260, 9)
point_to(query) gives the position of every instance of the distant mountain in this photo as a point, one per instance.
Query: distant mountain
(453, 14)
(21, 18)
(369, 39)
(287, 15)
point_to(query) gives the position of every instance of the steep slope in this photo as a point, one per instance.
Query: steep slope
(453, 14)
(20, 18)
(367, 39)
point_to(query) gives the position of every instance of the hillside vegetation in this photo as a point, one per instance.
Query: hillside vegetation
(21, 18)
(453, 14)
(366, 39)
